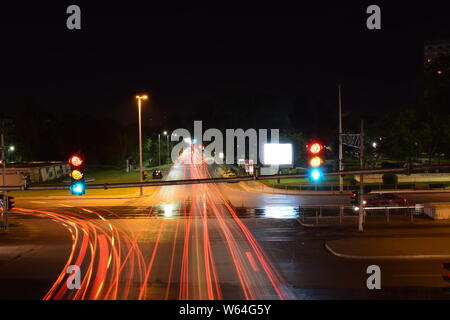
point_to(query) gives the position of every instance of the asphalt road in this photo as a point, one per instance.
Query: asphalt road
(193, 242)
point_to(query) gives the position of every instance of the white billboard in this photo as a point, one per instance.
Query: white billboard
(277, 154)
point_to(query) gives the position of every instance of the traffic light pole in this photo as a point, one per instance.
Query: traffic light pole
(361, 179)
(4, 193)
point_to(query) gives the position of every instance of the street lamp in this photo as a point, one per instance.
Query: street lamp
(139, 98)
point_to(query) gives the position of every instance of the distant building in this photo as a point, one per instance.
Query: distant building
(437, 48)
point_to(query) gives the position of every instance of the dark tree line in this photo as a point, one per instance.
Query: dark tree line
(419, 130)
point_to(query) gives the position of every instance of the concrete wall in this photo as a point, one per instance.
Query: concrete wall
(54, 172)
(35, 174)
(13, 179)
(437, 211)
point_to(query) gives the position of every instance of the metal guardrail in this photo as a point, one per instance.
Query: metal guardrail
(316, 212)
(218, 180)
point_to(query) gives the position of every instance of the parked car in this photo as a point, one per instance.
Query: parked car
(157, 174)
(386, 200)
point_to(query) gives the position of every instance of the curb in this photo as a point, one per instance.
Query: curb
(294, 193)
(410, 191)
(402, 257)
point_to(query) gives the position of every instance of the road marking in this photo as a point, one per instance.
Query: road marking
(37, 201)
(65, 205)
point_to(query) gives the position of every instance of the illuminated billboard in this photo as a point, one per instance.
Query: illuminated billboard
(277, 154)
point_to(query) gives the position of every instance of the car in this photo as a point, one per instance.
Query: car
(386, 200)
(229, 174)
(157, 174)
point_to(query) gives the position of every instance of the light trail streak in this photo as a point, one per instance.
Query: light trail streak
(121, 258)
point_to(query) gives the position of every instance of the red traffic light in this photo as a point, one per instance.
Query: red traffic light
(76, 161)
(315, 148)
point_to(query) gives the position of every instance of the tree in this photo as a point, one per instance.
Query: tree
(400, 137)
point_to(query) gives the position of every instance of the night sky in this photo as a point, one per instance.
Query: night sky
(185, 53)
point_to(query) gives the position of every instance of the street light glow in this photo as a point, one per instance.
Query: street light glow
(11, 148)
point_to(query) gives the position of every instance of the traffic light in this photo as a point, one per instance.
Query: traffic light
(11, 203)
(77, 184)
(315, 160)
(355, 198)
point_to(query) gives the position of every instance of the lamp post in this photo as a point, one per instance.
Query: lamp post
(159, 149)
(139, 98)
(167, 142)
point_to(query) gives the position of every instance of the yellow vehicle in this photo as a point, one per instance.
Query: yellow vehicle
(228, 173)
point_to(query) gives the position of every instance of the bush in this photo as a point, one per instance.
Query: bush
(390, 178)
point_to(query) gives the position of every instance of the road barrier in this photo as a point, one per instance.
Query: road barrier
(316, 213)
(216, 180)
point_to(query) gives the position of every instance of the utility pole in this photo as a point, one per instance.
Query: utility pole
(141, 176)
(361, 179)
(341, 165)
(4, 193)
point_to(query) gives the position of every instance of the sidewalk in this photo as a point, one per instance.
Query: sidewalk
(391, 248)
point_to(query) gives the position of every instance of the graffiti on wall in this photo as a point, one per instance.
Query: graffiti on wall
(54, 172)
